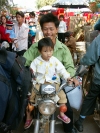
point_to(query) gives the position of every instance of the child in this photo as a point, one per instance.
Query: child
(32, 29)
(62, 29)
(48, 69)
(10, 33)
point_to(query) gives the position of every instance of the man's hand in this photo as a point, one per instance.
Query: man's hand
(76, 82)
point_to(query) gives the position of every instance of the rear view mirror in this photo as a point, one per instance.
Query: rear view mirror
(81, 70)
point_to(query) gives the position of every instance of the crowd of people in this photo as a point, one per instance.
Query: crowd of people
(18, 31)
(22, 30)
(54, 39)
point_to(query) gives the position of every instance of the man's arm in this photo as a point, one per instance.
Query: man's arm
(31, 54)
(92, 54)
(68, 63)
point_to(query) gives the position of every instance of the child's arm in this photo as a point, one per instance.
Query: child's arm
(61, 70)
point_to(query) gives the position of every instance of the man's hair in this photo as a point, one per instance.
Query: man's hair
(49, 18)
(45, 42)
(20, 13)
(32, 13)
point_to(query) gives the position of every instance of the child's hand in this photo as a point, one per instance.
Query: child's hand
(70, 80)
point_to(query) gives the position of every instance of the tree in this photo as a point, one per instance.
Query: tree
(5, 4)
(41, 3)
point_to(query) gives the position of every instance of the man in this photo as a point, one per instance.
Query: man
(49, 25)
(21, 31)
(92, 57)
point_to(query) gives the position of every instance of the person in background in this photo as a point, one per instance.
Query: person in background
(32, 17)
(39, 33)
(49, 24)
(32, 33)
(61, 29)
(3, 28)
(21, 31)
(11, 34)
(70, 42)
(32, 29)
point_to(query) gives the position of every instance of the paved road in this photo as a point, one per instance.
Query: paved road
(89, 126)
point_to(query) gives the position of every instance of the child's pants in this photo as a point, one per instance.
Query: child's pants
(61, 94)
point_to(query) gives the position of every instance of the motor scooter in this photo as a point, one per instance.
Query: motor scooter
(46, 104)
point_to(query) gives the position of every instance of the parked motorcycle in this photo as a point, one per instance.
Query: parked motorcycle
(46, 104)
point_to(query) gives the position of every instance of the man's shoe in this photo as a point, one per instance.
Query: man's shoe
(79, 126)
(73, 131)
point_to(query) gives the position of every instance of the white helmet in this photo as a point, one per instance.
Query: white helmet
(5, 44)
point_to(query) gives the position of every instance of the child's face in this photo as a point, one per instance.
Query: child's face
(46, 53)
(61, 18)
(31, 23)
(9, 27)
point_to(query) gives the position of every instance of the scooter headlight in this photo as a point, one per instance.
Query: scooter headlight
(47, 107)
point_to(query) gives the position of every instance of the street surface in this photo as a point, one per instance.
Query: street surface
(89, 126)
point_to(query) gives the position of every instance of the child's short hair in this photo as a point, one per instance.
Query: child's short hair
(61, 16)
(45, 42)
(32, 13)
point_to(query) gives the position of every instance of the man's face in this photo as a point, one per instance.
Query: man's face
(19, 19)
(49, 30)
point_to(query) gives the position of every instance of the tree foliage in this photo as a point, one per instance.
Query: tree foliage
(6, 4)
(41, 3)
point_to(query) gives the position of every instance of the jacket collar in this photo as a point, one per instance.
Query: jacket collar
(58, 45)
